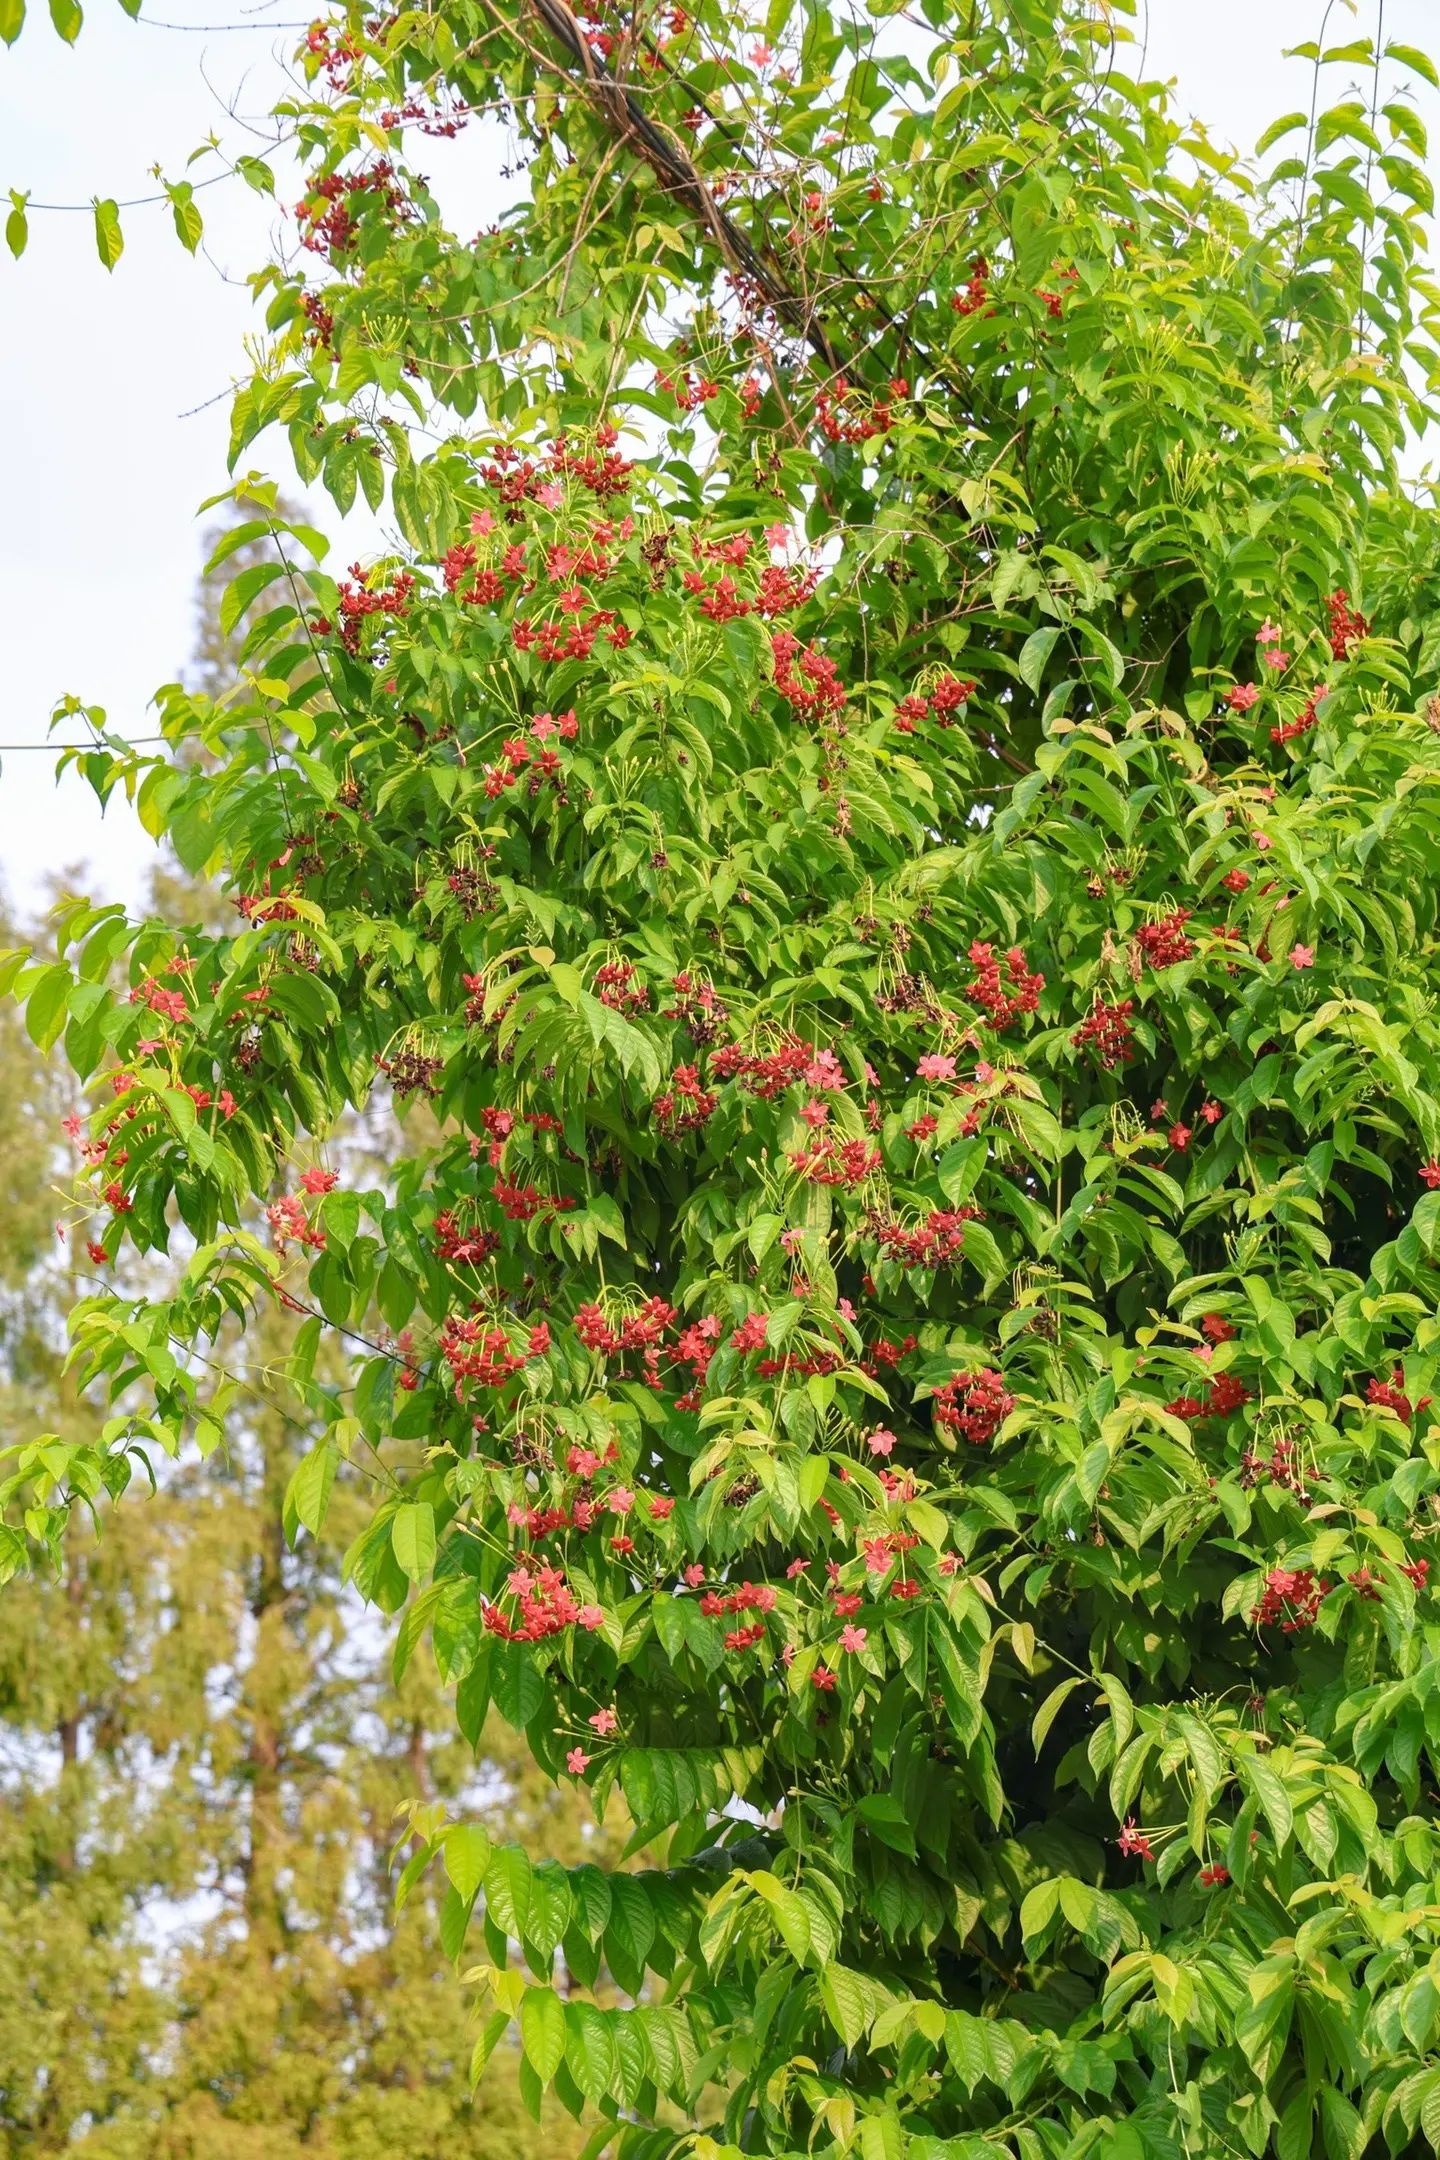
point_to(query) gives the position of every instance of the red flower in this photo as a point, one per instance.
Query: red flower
(1108, 1031)
(1134, 1843)
(1212, 1877)
(1430, 1173)
(1292, 1597)
(750, 1335)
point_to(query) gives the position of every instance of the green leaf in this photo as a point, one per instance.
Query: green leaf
(885, 1819)
(47, 1005)
(517, 1684)
(1034, 653)
(843, 1994)
(12, 18)
(1050, 1709)
(542, 2031)
(67, 18)
(412, 1538)
(17, 230)
(307, 1497)
(467, 1854)
(1038, 1909)
(1412, 57)
(1280, 128)
(507, 1889)
(1271, 1793)
(189, 225)
(109, 242)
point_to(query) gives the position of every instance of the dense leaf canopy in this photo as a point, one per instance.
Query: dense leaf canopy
(889, 806)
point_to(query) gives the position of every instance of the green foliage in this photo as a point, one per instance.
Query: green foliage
(885, 832)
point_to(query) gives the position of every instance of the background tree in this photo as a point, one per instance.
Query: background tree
(203, 1753)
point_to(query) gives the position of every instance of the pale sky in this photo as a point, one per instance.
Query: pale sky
(113, 388)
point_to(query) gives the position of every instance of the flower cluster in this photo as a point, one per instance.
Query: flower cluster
(360, 600)
(1108, 1030)
(808, 680)
(289, 1225)
(685, 1104)
(1164, 942)
(974, 1405)
(830, 1161)
(1002, 1001)
(1345, 624)
(547, 1605)
(1292, 1597)
(937, 1238)
(1390, 1395)
(974, 298)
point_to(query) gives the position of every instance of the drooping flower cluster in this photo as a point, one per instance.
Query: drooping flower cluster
(1164, 942)
(1345, 624)
(974, 1405)
(685, 1105)
(937, 1238)
(1109, 1031)
(1008, 1000)
(807, 679)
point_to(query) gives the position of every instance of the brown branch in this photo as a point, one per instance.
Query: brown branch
(679, 177)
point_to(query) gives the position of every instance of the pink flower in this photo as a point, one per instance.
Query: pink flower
(1263, 841)
(620, 1500)
(825, 1071)
(984, 1072)
(935, 1065)
(761, 56)
(1302, 956)
(881, 1442)
(318, 1181)
(604, 1721)
(815, 1113)
(590, 1618)
(577, 1762)
(1242, 696)
(1277, 659)
(481, 522)
(1268, 633)
(550, 496)
(878, 1554)
(852, 1638)
(950, 1563)
(695, 1575)
(796, 1567)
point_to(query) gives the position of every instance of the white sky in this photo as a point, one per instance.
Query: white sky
(113, 388)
